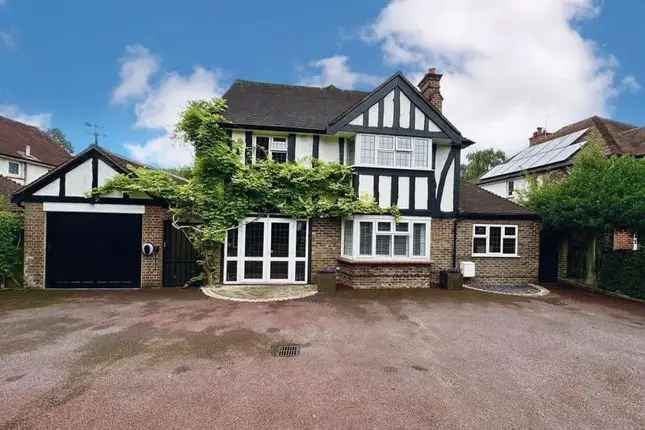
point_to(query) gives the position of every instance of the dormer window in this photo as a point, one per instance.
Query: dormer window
(401, 152)
(14, 168)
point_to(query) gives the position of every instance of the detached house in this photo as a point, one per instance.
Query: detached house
(403, 151)
(571, 256)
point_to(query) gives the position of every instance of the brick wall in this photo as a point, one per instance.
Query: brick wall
(384, 275)
(503, 270)
(325, 243)
(623, 240)
(441, 244)
(152, 231)
(34, 240)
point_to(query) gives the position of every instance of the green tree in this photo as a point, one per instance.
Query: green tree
(10, 245)
(601, 194)
(222, 190)
(480, 162)
(57, 135)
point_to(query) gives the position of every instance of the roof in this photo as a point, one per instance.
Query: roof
(632, 141)
(15, 136)
(289, 106)
(479, 203)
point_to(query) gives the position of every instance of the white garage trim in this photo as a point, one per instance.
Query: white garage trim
(93, 208)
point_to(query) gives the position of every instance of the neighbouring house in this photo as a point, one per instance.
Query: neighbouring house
(575, 255)
(26, 152)
(404, 152)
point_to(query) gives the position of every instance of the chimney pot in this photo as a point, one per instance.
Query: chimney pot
(539, 135)
(430, 88)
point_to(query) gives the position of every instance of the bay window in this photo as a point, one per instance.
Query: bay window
(401, 152)
(382, 238)
(494, 240)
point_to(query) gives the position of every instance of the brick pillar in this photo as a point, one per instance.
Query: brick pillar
(152, 232)
(325, 243)
(35, 226)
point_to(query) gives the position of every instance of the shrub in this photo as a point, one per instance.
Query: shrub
(11, 247)
(623, 272)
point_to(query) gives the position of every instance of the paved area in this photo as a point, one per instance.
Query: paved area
(260, 293)
(403, 359)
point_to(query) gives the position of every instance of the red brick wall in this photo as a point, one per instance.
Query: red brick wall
(441, 245)
(502, 270)
(325, 243)
(152, 231)
(34, 244)
(384, 275)
(623, 240)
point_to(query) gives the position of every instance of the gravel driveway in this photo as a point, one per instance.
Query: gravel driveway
(374, 359)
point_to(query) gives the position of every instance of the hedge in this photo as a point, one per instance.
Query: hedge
(623, 272)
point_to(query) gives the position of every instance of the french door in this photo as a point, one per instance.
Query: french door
(267, 250)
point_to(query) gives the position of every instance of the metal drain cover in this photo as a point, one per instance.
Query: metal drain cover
(285, 350)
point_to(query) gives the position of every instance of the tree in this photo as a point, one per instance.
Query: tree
(480, 162)
(10, 245)
(57, 135)
(222, 190)
(600, 195)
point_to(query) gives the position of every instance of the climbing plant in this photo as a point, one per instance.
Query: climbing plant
(222, 190)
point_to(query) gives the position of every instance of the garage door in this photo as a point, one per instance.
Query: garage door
(87, 250)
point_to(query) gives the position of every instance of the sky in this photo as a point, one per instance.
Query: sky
(131, 66)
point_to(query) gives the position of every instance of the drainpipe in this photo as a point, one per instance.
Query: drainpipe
(454, 243)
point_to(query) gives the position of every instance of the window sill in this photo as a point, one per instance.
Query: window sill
(494, 256)
(382, 262)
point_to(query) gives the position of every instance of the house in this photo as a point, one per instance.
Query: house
(27, 153)
(403, 151)
(573, 256)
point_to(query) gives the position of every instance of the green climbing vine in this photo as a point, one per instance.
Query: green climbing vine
(222, 190)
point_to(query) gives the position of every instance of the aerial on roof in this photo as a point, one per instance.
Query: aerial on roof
(15, 137)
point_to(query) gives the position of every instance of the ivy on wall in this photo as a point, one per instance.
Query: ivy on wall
(222, 191)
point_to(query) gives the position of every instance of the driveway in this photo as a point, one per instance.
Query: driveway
(372, 359)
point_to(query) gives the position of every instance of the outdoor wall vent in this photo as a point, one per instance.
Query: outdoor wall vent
(467, 269)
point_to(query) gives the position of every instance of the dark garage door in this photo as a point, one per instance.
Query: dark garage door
(86, 250)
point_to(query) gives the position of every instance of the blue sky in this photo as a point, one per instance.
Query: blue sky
(508, 67)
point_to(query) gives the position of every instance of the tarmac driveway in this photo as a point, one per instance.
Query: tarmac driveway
(376, 359)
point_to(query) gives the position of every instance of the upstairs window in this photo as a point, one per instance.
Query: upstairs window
(279, 149)
(273, 147)
(510, 188)
(393, 151)
(494, 240)
(14, 168)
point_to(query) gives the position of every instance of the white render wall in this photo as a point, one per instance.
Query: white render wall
(28, 172)
(500, 188)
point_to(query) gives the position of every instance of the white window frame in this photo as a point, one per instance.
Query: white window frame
(15, 175)
(375, 140)
(374, 220)
(266, 257)
(486, 236)
(271, 144)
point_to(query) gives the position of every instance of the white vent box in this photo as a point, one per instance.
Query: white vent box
(467, 269)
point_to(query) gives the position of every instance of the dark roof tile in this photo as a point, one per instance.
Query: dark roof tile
(474, 200)
(15, 136)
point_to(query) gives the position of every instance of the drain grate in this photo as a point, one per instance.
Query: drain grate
(285, 350)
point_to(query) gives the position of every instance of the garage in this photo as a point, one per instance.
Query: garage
(93, 250)
(73, 239)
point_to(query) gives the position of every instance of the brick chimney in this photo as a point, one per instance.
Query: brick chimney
(540, 135)
(431, 88)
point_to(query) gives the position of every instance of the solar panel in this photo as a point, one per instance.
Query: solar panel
(553, 151)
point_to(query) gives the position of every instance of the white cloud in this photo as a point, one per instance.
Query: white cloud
(631, 84)
(137, 67)
(40, 120)
(335, 71)
(158, 106)
(509, 65)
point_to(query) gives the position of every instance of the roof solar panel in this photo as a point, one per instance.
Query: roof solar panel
(553, 151)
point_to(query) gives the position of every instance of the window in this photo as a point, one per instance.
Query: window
(384, 239)
(390, 151)
(14, 168)
(274, 147)
(494, 240)
(511, 188)
(279, 149)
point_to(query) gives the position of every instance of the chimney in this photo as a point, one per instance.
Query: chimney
(539, 136)
(431, 88)
(28, 150)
